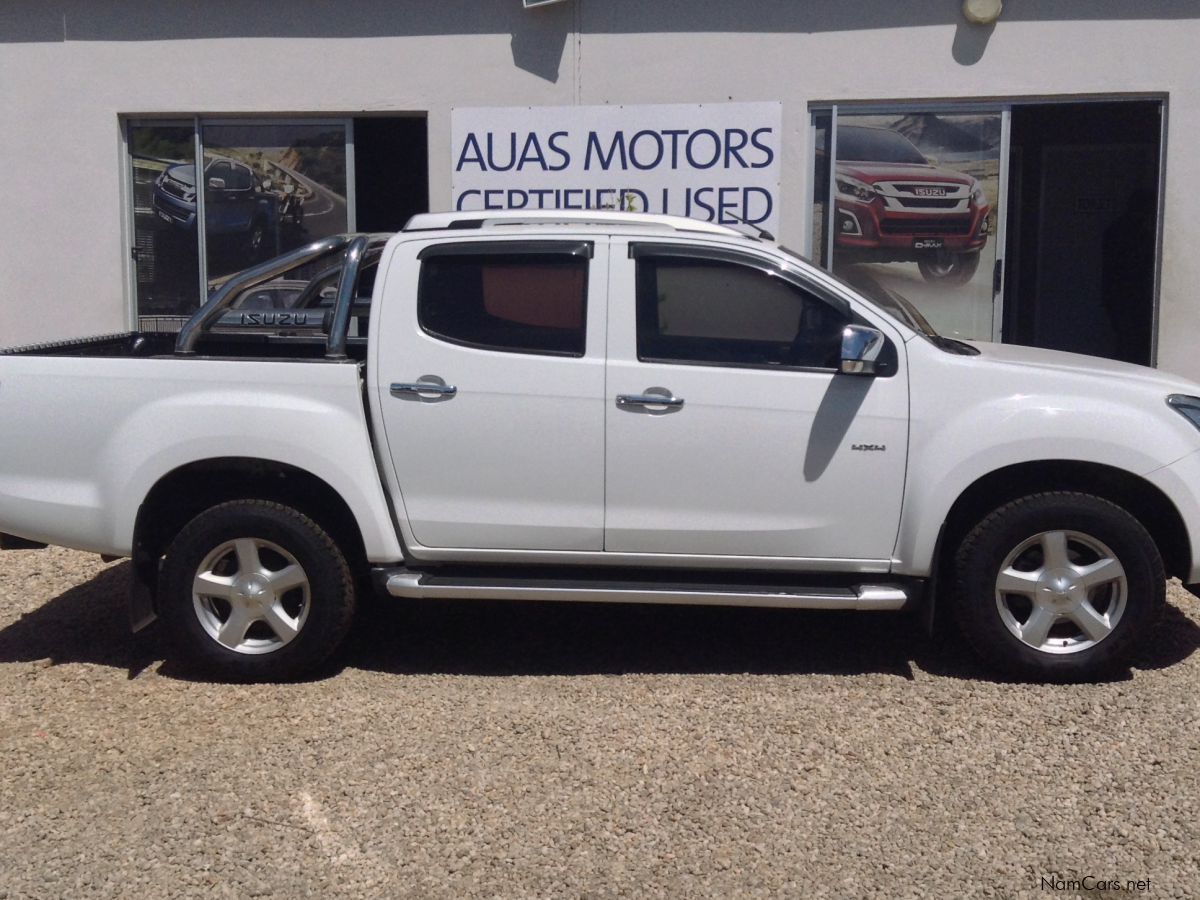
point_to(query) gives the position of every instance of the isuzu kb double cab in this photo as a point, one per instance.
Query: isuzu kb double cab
(600, 407)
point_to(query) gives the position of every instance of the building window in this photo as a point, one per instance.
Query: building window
(912, 197)
(1025, 222)
(265, 186)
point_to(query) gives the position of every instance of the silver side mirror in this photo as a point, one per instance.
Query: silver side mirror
(861, 347)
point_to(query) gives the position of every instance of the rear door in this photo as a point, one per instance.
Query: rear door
(490, 357)
(730, 432)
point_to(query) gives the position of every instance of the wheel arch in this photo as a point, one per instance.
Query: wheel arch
(183, 493)
(1143, 500)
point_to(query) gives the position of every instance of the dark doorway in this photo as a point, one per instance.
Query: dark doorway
(1083, 227)
(391, 171)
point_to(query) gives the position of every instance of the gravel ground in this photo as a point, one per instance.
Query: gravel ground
(512, 750)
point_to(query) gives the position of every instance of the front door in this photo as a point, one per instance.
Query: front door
(729, 431)
(491, 381)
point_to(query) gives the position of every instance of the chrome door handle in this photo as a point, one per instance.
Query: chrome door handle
(423, 387)
(671, 401)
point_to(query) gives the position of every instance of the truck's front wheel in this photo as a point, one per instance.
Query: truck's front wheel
(1058, 586)
(255, 591)
(949, 268)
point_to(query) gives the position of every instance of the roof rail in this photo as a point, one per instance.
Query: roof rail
(500, 217)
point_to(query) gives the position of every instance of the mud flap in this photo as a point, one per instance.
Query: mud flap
(143, 593)
(927, 614)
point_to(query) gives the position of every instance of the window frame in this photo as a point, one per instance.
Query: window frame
(640, 249)
(568, 248)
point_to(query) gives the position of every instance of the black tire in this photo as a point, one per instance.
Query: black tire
(318, 613)
(990, 618)
(949, 268)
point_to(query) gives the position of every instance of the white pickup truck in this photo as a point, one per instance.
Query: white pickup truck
(599, 407)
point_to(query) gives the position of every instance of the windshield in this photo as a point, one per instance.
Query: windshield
(894, 305)
(858, 144)
(898, 307)
(184, 174)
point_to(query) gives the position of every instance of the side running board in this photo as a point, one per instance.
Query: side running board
(863, 596)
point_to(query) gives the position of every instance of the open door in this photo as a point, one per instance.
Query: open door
(1083, 228)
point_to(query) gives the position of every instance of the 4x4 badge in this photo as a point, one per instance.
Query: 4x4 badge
(869, 447)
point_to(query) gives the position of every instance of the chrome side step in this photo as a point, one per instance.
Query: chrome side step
(863, 596)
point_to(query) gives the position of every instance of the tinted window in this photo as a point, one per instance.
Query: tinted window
(243, 180)
(521, 302)
(858, 144)
(712, 311)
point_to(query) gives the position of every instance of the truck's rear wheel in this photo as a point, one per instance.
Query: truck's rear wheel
(1058, 587)
(255, 591)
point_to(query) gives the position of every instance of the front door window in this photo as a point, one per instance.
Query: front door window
(721, 312)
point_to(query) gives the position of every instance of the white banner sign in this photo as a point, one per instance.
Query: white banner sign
(713, 161)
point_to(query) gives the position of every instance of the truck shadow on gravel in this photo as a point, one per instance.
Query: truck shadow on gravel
(89, 624)
(517, 638)
(510, 638)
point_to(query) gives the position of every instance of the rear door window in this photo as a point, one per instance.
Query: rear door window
(525, 297)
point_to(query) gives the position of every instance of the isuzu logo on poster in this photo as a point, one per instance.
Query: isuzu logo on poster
(713, 161)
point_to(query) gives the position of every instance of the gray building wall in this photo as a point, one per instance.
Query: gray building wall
(71, 68)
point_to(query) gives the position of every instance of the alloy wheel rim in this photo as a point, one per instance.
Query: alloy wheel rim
(942, 265)
(251, 596)
(1061, 591)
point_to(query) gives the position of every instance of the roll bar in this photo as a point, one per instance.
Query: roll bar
(353, 247)
(335, 346)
